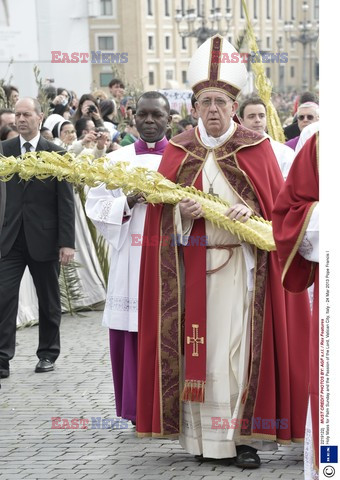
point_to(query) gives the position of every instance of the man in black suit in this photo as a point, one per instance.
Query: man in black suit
(38, 231)
(2, 199)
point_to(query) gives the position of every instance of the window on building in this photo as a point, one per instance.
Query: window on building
(292, 72)
(166, 8)
(106, 43)
(241, 9)
(184, 43)
(105, 79)
(255, 8)
(280, 10)
(151, 78)
(167, 42)
(151, 45)
(268, 9)
(268, 42)
(184, 76)
(199, 8)
(106, 8)
(268, 72)
(213, 4)
(183, 6)
(169, 74)
(292, 9)
(230, 39)
(150, 7)
(316, 9)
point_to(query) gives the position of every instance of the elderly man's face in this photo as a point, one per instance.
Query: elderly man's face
(306, 116)
(216, 110)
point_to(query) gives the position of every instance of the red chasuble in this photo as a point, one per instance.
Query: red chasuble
(276, 397)
(293, 209)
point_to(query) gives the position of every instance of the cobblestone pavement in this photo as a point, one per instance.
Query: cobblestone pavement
(81, 387)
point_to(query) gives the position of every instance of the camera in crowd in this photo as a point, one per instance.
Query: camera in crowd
(91, 109)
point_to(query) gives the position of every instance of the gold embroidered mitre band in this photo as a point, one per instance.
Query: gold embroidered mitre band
(217, 66)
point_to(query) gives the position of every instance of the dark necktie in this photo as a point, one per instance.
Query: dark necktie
(27, 146)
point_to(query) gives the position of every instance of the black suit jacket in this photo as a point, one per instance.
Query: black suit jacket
(2, 199)
(46, 209)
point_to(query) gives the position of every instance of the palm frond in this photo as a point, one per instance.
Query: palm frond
(70, 287)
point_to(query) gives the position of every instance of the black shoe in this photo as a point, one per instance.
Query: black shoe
(4, 370)
(44, 365)
(247, 457)
(219, 461)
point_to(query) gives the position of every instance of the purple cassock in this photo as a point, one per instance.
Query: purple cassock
(292, 142)
(123, 344)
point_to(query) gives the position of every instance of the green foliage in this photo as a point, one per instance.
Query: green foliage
(184, 111)
(100, 245)
(240, 39)
(42, 97)
(133, 88)
(4, 103)
(70, 287)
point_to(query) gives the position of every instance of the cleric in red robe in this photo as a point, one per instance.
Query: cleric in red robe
(223, 349)
(296, 233)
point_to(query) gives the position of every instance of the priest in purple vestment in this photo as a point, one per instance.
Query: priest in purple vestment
(120, 219)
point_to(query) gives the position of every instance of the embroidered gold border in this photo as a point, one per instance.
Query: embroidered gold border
(159, 331)
(179, 314)
(298, 241)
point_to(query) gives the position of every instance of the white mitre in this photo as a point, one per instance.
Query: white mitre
(216, 65)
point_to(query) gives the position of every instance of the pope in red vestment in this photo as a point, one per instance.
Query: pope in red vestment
(278, 368)
(293, 210)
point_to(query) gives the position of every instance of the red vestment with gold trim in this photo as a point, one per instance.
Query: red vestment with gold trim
(278, 369)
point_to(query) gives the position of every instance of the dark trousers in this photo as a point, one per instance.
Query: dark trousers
(45, 277)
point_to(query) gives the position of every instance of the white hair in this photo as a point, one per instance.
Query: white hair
(309, 105)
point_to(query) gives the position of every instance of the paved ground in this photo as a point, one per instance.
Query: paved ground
(81, 387)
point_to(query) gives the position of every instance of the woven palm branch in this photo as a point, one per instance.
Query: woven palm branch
(263, 84)
(82, 170)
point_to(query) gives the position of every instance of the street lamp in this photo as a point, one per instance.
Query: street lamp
(197, 19)
(307, 34)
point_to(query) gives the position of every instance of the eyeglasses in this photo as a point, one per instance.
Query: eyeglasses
(219, 102)
(309, 117)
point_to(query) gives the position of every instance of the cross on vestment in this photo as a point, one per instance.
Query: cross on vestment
(211, 191)
(195, 340)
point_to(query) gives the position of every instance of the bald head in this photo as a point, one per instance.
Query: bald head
(28, 117)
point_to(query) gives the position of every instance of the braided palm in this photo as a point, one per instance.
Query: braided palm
(82, 170)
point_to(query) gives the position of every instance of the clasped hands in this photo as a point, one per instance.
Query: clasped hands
(192, 210)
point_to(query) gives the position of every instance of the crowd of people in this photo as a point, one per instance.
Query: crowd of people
(206, 343)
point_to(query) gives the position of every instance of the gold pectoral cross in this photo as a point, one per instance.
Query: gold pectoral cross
(195, 340)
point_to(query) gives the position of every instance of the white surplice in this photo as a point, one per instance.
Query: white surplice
(229, 294)
(284, 155)
(123, 228)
